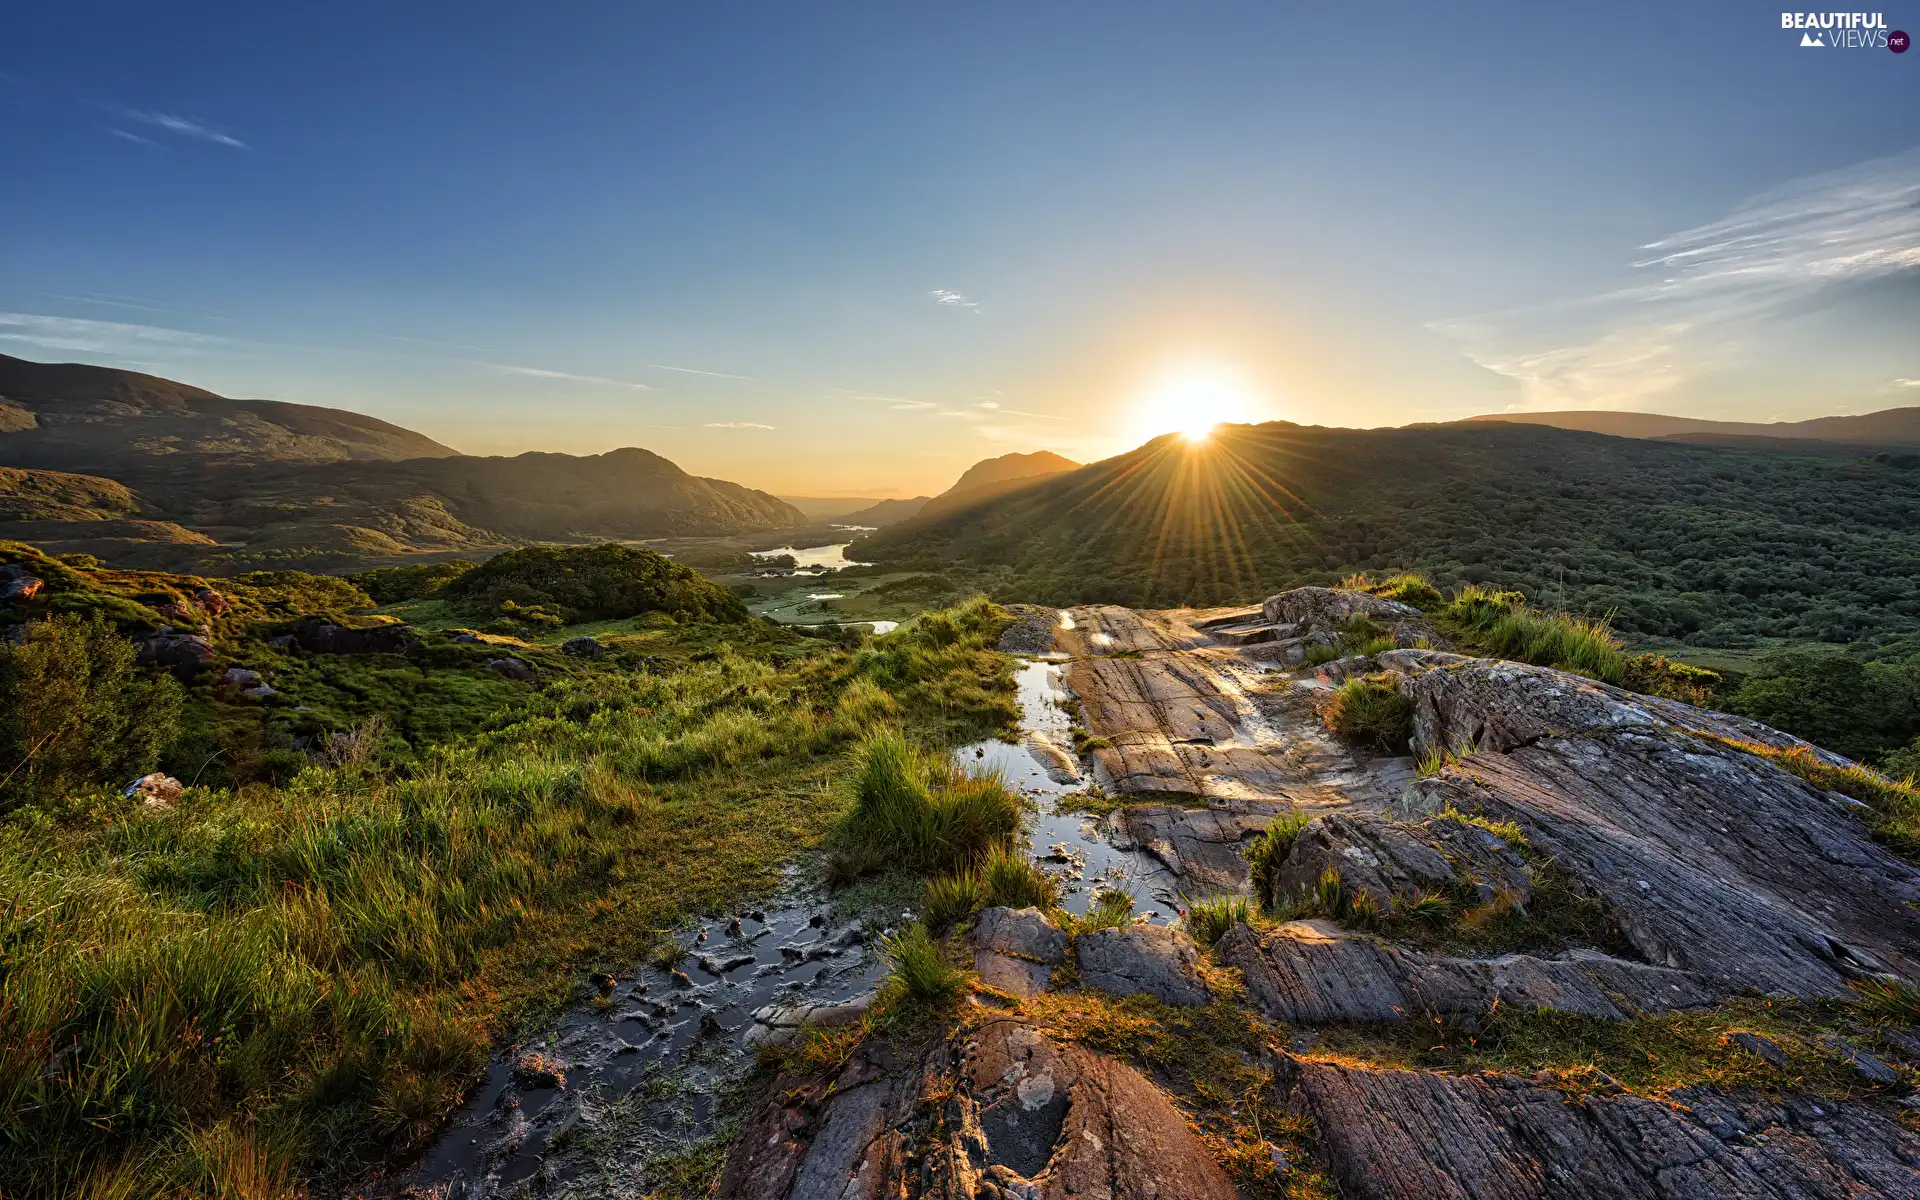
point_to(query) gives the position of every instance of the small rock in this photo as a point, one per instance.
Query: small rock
(603, 981)
(515, 669)
(211, 602)
(282, 643)
(681, 978)
(1020, 932)
(239, 677)
(156, 791)
(586, 647)
(258, 693)
(1871, 1067)
(182, 653)
(537, 1070)
(463, 638)
(25, 587)
(1153, 959)
(733, 927)
(1758, 1045)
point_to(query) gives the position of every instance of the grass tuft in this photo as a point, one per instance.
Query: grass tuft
(1209, 919)
(1505, 625)
(920, 981)
(916, 810)
(1371, 711)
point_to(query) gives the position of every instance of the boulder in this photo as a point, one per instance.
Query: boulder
(1000, 1110)
(259, 693)
(325, 637)
(513, 668)
(211, 602)
(20, 587)
(1156, 960)
(1395, 1134)
(239, 677)
(155, 791)
(1326, 608)
(1021, 932)
(184, 654)
(585, 647)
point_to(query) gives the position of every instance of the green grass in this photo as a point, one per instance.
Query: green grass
(1503, 624)
(1370, 711)
(1008, 877)
(914, 809)
(268, 984)
(1208, 919)
(1270, 847)
(921, 983)
(1112, 908)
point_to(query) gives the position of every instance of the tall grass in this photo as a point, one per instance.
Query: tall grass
(916, 810)
(1505, 625)
(920, 981)
(1371, 711)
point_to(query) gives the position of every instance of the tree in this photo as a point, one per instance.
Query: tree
(74, 711)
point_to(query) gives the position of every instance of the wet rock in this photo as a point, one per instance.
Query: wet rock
(325, 637)
(585, 647)
(538, 1070)
(1314, 972)
(778, 1025)
(1331, 607)
(516, 669)
(1157, 960)
(1392, 1134)
(156, 791)
(1031, 631)
(720, 966)
(1022, 1116)
(184, 654)
(1021, 932)
(1204, 846)
(1711, 859)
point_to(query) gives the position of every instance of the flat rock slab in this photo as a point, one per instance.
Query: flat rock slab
(1020, 932)
(1014, 976)
(1415, 1135)
(1154, 960)
(1312, 972)
(1204, 846)
(999, 1110)
(1710, 858)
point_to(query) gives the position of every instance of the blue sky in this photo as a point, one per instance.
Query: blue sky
(900, 238)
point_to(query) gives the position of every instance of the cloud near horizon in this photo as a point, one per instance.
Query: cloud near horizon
(112, 338)
(1715, 289)
(736, 425)
(567, 376)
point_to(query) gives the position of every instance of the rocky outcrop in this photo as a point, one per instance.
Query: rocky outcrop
(1391, 860)
(1205, 847)
(325, 637)
(999, 1111)
(1153, 960)
(1711, 859)
(184, 654)
(583, 647)
(1402, 1135)
(156, 792)
(1330, 608)
(1016, 949)
(1314, 972)
(517, 669)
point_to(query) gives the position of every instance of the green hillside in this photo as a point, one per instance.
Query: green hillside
(1713, 545)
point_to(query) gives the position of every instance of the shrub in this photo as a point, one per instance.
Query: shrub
(74, 713)
(1371, 711)
(1833, 700)
(1411, 589)
(1656, 675)
(1112, 908)
(1209, 919)
(392, 585)
(594, 583)
(1505, 625)
(919, 811)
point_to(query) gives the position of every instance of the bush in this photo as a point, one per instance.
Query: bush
(593, 583)
(1859, 709)
(1371, 711)
(1655, 675)
(391, 585)
(918, 811)
(919, 977)
(75, 714)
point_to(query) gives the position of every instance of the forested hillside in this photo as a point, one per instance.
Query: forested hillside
(1714, 545)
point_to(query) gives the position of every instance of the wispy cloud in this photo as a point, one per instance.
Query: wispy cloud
(736, 425)
(1711, 290)
(1912, 383)
(953, 299)
(132, 137)
(112, 301)
(186, 127)
(566, 376)
(98, 337)
(694, 371)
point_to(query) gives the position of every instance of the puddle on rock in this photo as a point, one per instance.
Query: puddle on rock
(1043, 768)
(648, 1062)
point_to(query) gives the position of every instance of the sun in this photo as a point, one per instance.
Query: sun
(1193, 398)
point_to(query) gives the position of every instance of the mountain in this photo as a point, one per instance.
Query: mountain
(1718, 544)
(996, 477)
(151, 472)
(1890, 427)
(829, 508)
(886, 512)
(77, 417)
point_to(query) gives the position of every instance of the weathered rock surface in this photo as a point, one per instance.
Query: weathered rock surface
(1156, 960)
(1710, 858)
(513, 668)
(585, 647)
(1313, 972)
(20, 587)
(777, 1025)
(1021, 932)
(1331, 607)
(181, 653)
(1003, 1111)
(1204, 846)
(1390, 860)
(324, 637)
(1411, 1135)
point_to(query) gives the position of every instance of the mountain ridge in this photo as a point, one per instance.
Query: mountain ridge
(1890, 426)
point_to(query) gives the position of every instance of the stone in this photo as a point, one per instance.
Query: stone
(585, 647)
(259, 693)
(1022, 1116)
(1015, 976)
(1394, 1134)
(1156, 960)
(1021, 932)
(1374, 855)
(779, 1025)
(1871, 1067)
(325, 637)
(239, 677)
(1329, 608)
(211, 602)
(1314, 972)
(1205, 847)
(22, 587)
(184, 654)
(538, 1070)
(282, 643)
(155, 791)
(516, 669)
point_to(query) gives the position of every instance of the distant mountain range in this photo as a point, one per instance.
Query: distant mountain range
(885, 513)
(1889, 427)
(146, 471)
(995, 477)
